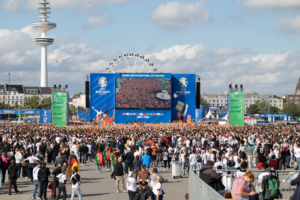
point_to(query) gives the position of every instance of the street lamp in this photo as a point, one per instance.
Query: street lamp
(9, 73)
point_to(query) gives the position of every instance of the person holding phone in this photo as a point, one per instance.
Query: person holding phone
(240, 189)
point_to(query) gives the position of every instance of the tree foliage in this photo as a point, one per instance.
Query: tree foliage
(203, 101)
(72, 110)
(32, 103)
(262, 107)
(46, 103)
(291, 108)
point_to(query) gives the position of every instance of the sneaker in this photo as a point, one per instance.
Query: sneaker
(118, 191)
(283, 180)
(38, 198)
(165, 169)
(33, 197)
(125, 191)
(26, 178)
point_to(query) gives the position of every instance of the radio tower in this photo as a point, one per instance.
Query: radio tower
(44, 41)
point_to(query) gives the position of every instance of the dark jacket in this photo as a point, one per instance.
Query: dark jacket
(296, 194)
(146, 194)
(12, 172)
(137, 195)
(85, 150)
(121, 148)
(128, 157)
(211, 178)
(56, 148)
(43, 174)
(118, 169)
(55, 172)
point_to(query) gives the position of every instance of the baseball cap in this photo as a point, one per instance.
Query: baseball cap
(144, 183)
(130, 173)
(138, 183)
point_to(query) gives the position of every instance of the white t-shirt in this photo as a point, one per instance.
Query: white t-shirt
(193, 159)
(297, 152)
(187, 143)
(157, 187)
(32, 159)
(166, 155)
(58, 140)
(182, 157)
(131, 184)
(170, 152)
(35, 173)
(76, 186)
(90, 148)
(62, 177)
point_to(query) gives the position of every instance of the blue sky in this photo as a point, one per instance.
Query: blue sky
(252, 42)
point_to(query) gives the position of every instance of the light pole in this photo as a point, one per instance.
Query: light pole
(9, 73)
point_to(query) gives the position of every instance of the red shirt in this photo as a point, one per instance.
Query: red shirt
(274, 164)
(259, 165)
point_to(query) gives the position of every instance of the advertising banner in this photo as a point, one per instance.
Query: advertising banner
(237, 108)
(45, 116)
(60, 108)
(82, 116)
(183, 97)
(143, 116)
(102, 94)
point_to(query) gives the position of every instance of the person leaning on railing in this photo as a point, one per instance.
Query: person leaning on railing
(240, 189)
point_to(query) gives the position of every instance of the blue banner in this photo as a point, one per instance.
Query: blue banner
(183, 97)
(45, 116)
(143, 116)
(83, 116)
(201, 113)
(22, 112)
(102, 93)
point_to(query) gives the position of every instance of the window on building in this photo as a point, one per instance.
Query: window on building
(290, 98)
(217, 100)
(270, 101)
(21, 102)
(8, 97)
(209, 100)
(17, 102)
(246, 105)
(14, 93)
(296, 102)
(250, 101)
(246, 100)
(296, 98)
(221, 100)
(17, 97)
(213, 100)
(12, 102)
(3, 97)
(274, 101)
(12, 97)
(213, 104)
(21, 97)
(279, 105)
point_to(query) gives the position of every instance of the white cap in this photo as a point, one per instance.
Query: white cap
(130, 173)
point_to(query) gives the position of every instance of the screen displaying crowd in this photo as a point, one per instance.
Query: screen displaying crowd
(141, 93)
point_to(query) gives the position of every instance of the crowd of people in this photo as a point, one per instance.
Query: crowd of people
(141, 93)
(137, 150)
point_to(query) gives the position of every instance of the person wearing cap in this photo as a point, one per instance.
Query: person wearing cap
(139, 189)
(131, 185)
(146, 192)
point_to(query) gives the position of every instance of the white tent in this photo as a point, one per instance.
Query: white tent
(208, 115)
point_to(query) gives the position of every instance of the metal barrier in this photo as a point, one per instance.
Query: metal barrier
(199, 190)
(285, 188)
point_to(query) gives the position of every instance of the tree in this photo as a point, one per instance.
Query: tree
(263, 107)
(32, 103)
(72, 110)
(46, 103)
(203, 101)
(275, 96)
(274, 110)
(291, 108)
(252, 109)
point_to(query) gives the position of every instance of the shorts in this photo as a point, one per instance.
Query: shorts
(153, 157)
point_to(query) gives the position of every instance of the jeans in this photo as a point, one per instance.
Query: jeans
(36, 187)
(18, 165)
(199, 166)
(289, 177)
(28, 173)
(244, 198)
(298, 162)
(192, 167)
(99, 167)
(131, 195)
(108, 164)
(291, 159)
(61, 188)
(54, 155)
(288, 159)
(183, 168)
(78, 192)
(0, 177)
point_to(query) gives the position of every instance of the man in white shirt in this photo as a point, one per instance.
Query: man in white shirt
(36, 181)
(131, 185)
(193, 160)
(297, 154)
(75, 148)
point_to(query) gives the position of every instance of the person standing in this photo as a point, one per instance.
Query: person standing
(119, 174)
(131, 186)
(36, 181)
(12, 176)
(297, 154)
(137, 164)
(44, 173)
(146, 192)
(62, 186)
(193, 160)
(249, 151)
(55, 173)
(157, 188)
(19, 158)
(76, 182)
(85, 151)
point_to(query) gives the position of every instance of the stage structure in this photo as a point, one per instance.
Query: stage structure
(235, 105)
(142, 97)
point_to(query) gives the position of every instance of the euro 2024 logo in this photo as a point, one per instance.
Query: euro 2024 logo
(102, 82)
(183, 82)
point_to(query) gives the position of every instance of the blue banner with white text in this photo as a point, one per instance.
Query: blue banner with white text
(45, 116)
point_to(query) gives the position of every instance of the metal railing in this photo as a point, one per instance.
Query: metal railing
(199, 190)
(285, 188)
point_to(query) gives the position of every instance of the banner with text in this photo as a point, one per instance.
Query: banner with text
(236, 108)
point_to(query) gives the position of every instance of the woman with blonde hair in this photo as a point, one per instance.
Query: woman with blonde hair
(157, 188)
(240, 189)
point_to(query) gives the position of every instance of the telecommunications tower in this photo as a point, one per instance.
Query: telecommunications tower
(44, 41)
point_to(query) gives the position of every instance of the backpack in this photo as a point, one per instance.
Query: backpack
(272, 188)
(232, 163)
(199, 159)
(229, 163)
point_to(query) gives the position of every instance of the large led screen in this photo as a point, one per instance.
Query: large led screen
(143, 93)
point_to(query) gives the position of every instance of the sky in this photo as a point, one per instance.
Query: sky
(250, 42)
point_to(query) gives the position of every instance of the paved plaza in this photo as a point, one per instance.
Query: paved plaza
(100, 186)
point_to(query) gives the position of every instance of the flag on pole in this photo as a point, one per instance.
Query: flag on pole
(179, 106)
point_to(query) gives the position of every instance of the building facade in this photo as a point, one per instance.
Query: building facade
(16, 94)
(78, 101)
(295, 98)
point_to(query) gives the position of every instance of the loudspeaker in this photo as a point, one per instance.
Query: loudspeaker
(198, 95)
(87, 94)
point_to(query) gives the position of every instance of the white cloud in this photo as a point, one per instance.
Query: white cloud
(217, 66)
(97, 21)
(15, 5)
(289, 25)
(270, 4)
(177, 15)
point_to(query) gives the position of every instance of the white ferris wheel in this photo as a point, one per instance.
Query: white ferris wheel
(130, 63)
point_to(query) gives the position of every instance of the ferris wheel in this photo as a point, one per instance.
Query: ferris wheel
(131, 63)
